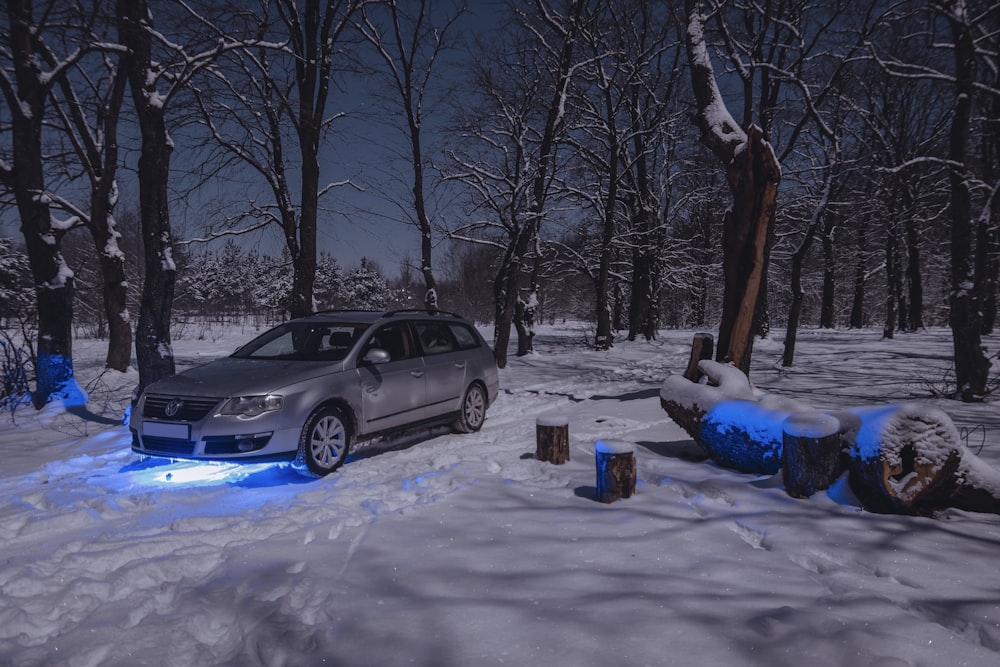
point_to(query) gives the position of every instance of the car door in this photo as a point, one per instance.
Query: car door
(445, 364)
(392, 393)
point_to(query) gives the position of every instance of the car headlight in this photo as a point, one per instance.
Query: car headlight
(251, 406)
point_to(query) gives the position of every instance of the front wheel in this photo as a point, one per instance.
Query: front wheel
(473, 412)
(325, 441)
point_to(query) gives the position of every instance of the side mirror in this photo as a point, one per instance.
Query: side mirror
(377, 355)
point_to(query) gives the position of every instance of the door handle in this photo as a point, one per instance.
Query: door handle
(417, 374)
(459, 364)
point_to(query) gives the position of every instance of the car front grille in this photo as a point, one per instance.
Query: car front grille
(189, 409)
(167, 446)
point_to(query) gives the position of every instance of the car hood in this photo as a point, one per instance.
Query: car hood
(241, 377)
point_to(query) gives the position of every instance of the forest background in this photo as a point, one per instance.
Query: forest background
(632, 163)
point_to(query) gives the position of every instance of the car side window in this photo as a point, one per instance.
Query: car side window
(464, 336)
(394, 339)
(435, 337)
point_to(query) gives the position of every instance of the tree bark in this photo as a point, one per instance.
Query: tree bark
(753, 175)
(812, 453)
(827, 316)
(53, 280)
(965, 298)
(858, 298)
(154, 353)
(552, 440)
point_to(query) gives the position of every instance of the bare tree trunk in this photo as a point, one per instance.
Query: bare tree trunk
(154, 353)
(858, 299)
(52, 278)
(914, 277)
(827, 314)
(753, 177)
(965, 298)
(891, 285)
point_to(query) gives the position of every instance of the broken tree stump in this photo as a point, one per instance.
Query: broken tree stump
(903, 457)
(812, 453)
(552, 439)
(702, 348)
(615, 470)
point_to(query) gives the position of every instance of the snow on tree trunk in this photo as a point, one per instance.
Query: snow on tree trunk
(154, 353)
(42, 235)
(753, 174)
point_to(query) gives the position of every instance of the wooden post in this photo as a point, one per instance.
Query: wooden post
(702, 347)
(812, 449)
(615, 470)
(552, 439)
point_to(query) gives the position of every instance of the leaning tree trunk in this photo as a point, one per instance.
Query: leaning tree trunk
(753, 175)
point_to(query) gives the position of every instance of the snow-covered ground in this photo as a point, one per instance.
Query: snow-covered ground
(442, 549)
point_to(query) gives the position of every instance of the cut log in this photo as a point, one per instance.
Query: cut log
(812, 453)
(702, 349)
(552, 439)
(615, 470)
(903, 458)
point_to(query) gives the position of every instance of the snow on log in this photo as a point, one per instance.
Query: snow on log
(909, 457)
(903, 458)
(738, 426)
(812, 453)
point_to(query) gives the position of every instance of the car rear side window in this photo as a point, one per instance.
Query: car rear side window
(464, 336)
(435, 337)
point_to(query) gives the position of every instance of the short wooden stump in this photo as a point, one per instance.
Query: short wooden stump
(552, 439)
(615, 470)
(811, 453)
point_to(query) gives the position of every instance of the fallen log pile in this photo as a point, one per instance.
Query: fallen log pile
(902, 458)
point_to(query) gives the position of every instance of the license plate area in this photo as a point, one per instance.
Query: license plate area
(166, 430)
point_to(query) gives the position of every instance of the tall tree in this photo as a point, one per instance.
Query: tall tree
(967, 293)
(27, 81)
(87, 103)
(753, 174)
(266, 108)
(158, 69)
(409, 45)
(509, 170)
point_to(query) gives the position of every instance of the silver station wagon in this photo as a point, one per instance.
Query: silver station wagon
(312, 386)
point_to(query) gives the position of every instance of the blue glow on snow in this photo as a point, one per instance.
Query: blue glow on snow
(60, 367)
(175, 473)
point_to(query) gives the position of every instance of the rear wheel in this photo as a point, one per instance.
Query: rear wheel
(325, 441)
(473, 413)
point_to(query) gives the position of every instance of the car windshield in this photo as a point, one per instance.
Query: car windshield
(303, 341)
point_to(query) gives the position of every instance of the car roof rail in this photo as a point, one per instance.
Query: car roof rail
(426, 311)
(329, 311)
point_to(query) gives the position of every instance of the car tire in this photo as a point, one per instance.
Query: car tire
(325, 441)
(473, 410)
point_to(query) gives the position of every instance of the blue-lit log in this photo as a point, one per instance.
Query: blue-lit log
(615, 470)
